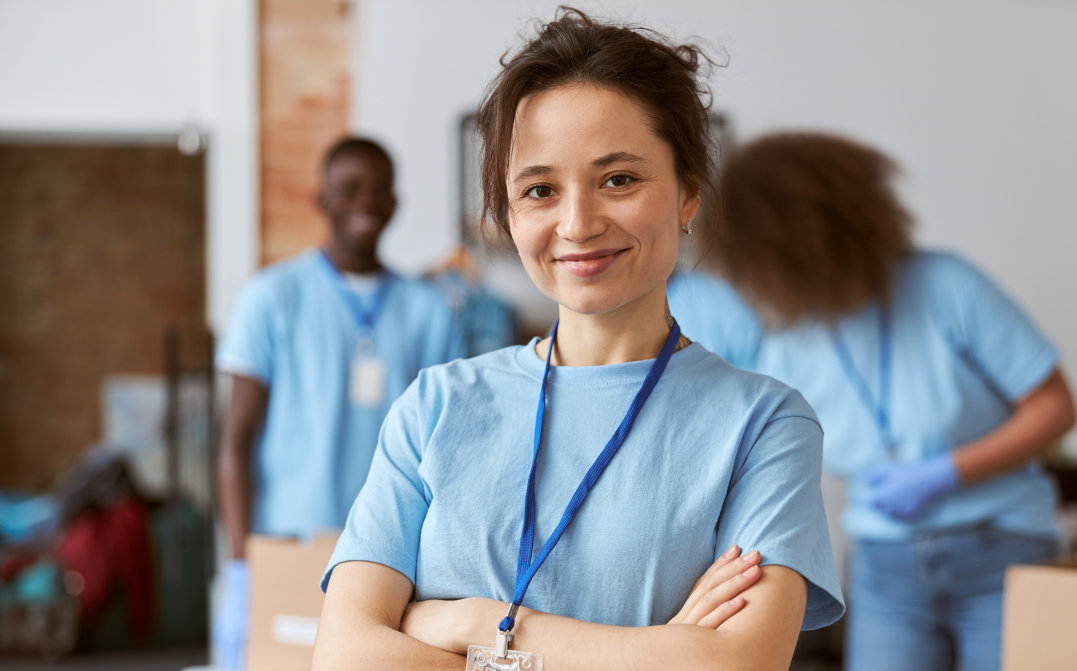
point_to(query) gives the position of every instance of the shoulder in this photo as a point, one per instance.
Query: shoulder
(274, 288)
(721, 387)
(933, 269)
(289, 274)
(701, 285)
(948, 285)
(473, 376)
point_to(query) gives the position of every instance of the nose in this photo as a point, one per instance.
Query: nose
(581, 218)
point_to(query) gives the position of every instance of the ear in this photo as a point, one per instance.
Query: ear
(690, 206)
(320, 201)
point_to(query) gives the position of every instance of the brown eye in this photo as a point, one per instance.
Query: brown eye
(618, 181)
(539, 191)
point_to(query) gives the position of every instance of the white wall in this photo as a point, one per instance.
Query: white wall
(142, 71)
(973, 97)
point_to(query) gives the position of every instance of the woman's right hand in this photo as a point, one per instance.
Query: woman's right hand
(716, 596)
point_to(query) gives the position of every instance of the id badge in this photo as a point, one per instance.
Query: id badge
(482, 658)
(368, 377)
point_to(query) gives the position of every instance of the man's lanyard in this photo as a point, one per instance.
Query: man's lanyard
(878, 408)
(364, 316)
(525, 567)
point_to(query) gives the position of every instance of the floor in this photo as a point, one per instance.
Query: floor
(172, 659)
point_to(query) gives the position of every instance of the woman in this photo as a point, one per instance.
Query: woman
(595, 158)
(936, 393)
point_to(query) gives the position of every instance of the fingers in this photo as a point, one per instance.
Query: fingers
(722, 581)
(723, 612)
(715, 605)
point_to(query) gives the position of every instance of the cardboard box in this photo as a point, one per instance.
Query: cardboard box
(1040, 616)
(286, 600)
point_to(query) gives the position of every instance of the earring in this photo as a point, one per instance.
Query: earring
(687, 228)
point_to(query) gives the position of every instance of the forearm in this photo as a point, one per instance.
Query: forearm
(1038, 421)
(360, 624)
(242, 422)
(234, 493)
(762, 636)
(568, 644)
(380, 647)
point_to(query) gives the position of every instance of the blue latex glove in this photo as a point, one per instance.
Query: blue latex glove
(903, 490)
(232, 622)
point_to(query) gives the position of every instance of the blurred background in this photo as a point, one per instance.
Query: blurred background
(155, 153)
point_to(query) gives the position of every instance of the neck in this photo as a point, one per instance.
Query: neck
(628, 334)
(363, 262)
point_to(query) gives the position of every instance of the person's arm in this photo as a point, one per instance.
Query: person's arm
(1039, 419)
(365, 614)
(359, 627)
(762, 635)
(242, 421)
(903, 490)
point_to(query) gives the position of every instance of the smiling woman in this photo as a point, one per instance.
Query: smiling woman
(631, 456)
(596, 206)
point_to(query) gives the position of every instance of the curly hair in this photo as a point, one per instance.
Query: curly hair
(811, 227)
(665, 78)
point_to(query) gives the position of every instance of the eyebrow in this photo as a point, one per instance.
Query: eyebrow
(600, 162)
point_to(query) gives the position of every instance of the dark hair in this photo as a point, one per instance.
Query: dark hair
(351, 144)
(811, 226)
(645, 66)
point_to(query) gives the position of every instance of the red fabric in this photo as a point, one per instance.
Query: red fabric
(10, 567)
(111, 549)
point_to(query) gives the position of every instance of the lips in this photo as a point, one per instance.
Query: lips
(590, 263)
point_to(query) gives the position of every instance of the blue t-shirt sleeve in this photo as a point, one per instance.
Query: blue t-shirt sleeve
(247, 346)
(775, 505)
(387, 517)
(988, 329)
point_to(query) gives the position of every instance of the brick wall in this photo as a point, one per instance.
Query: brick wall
(305, 91)
(101, 249)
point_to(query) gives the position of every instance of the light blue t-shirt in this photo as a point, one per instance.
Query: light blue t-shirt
(292, 331)
(962, 354)
(716, 457)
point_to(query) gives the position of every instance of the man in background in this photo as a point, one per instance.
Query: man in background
(318, 347)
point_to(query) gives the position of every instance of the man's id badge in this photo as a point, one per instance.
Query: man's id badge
(368, 378)
(482, 658)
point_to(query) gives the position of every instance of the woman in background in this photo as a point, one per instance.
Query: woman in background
(595, 159)
(937, 395)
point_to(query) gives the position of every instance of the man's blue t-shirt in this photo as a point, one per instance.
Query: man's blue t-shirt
(292, 331)
(962, 355)
(716, 457)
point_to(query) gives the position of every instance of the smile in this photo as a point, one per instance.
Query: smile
(591, 263)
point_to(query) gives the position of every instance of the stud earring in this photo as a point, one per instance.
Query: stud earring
(687, 228)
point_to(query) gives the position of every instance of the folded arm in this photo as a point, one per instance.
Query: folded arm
(359, 626)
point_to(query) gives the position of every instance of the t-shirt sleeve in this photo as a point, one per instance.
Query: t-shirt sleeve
(988, 329)
(387, 517)
(775, 505)
(247, 346)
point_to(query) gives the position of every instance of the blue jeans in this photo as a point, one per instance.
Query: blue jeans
(934, 601)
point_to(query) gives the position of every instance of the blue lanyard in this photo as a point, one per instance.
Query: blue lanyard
(525, 567)
(877, 408)
(364, 317)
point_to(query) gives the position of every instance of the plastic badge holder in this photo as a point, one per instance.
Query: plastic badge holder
(482, 658)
